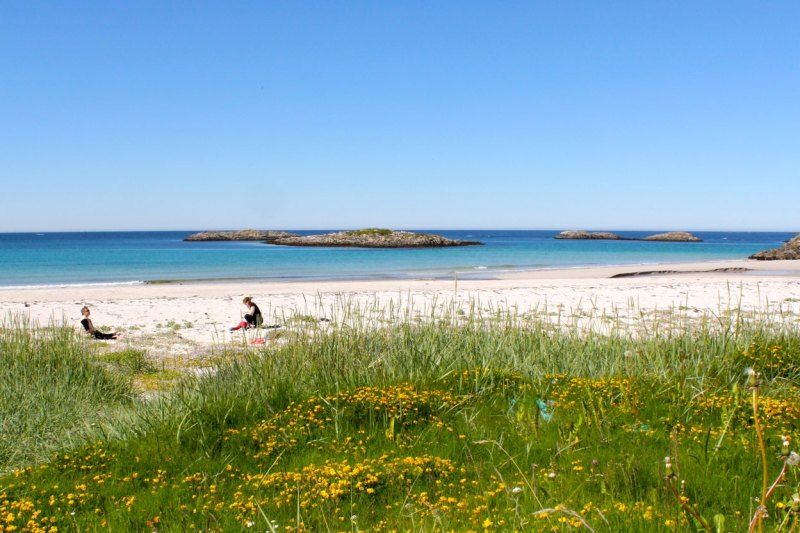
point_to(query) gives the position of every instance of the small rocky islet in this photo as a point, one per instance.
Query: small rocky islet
(670, 236)
(789, 251)
(673, 236)
(363, 238)
(375, 238)
(579, 235)
(267, 236)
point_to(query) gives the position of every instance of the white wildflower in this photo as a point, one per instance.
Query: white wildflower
(793, 459)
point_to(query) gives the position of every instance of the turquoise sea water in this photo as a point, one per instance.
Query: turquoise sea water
(28, 259)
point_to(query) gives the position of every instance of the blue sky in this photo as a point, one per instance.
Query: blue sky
(540, 115)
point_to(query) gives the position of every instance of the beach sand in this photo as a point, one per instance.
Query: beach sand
(187, 318)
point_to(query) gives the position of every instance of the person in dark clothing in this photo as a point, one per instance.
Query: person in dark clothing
(86, 322)
(253, 319)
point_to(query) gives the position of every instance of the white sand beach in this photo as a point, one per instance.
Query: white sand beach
(189, 317)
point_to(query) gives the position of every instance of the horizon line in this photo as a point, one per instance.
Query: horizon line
(183, 230)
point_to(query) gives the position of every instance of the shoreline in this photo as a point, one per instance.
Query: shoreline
(744, 269)
(787, 268)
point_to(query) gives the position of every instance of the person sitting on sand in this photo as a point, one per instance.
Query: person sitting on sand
(86, 322)
(253, 318)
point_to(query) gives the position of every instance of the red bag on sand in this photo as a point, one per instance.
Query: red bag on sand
(258, 340)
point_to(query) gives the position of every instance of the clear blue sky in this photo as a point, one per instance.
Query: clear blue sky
(184, 115)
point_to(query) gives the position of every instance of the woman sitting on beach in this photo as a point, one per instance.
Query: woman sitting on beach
(253, 318)
(86, 322)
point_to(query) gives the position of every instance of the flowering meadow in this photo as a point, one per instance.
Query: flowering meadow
(452, 425)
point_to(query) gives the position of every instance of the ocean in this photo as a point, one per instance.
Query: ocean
(44, 259)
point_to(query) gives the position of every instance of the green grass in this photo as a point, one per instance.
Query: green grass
(52, 394)
(451, 425)
(370, 231)
(128, 361)
(301, 319)
(147, 375)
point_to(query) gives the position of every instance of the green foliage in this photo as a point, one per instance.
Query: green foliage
(51, 392)
(370, 231)
(475, 425)
(301, 319)
(128, 361)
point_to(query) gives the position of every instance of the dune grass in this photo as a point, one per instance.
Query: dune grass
(52, 392)
(452, 425)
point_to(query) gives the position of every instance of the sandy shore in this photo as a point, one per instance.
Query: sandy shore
(185, 317)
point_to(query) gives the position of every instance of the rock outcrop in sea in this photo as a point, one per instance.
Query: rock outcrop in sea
(588, 235)
(671, 236)
(790, 250)
(268, 236)
(374, 238)
(674, 236)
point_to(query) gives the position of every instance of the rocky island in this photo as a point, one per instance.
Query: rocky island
(267, 236)
(674, 236)
(671, 236)
(790, 250)
(588, 235)
(374, 238)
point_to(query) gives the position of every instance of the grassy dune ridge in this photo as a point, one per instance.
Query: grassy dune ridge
(451, 424)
